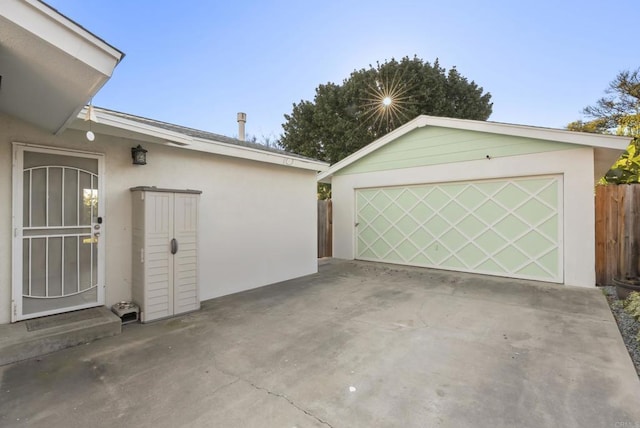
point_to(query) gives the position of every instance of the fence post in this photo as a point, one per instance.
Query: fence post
(622, 233)
(608, 207)
(329, 250)
(601, 236)
(325, 225)
(612, 248)
(634, 234)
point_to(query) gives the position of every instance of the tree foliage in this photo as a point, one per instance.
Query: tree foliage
(618, 112)
(626, 169)
(595, 126)
(342, 118)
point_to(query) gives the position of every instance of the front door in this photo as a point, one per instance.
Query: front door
(58, 232)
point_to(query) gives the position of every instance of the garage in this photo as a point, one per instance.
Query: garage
(481, 197)
(507, 227)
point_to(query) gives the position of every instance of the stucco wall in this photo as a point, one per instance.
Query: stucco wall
(576, 165)
(257, 220)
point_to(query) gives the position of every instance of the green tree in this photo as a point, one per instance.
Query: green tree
(618, 112)
(342, 118)
(596, 126)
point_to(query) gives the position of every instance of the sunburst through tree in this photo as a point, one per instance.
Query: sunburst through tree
(343, 118)
(385, 106)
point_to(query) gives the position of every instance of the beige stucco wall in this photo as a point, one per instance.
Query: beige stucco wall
(576, 167)
(257, 220)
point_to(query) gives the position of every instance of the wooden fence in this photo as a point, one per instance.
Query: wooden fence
(617, 232)
(325, 228)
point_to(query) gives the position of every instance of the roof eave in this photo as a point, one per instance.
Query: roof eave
(548, 134)
(74, 28)
(157, 135)
(538, 133)
(44, 51)
(325, 177)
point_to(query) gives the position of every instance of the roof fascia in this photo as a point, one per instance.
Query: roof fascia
(563, 136)
(418, 122)
(538, 133)
(49, 25)
(118, 122)
(226, 149)
(175, 139)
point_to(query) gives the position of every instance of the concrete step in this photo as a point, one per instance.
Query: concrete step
(40, 336)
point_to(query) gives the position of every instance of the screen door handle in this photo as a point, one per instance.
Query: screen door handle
(174, 246)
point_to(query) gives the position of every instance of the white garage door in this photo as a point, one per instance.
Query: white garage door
(509, 227)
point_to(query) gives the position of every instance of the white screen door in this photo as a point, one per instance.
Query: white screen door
(58, 250)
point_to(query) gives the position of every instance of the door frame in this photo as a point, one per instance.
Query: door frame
(16, 223)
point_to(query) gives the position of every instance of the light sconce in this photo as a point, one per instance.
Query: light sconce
(139, 155)
(90, 116)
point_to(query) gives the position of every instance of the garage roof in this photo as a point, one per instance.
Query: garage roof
(602, 143)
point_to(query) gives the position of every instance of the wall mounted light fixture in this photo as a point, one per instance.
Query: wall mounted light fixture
(90, 116)
(139, 155)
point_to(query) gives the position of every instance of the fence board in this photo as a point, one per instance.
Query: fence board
(634, 262)
(622, 234)
(601, 227)
(617, 232)
(325, 228)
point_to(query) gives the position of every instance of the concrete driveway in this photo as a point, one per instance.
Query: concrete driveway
(357, 345)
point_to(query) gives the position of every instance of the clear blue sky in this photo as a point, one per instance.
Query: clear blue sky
(199, 62)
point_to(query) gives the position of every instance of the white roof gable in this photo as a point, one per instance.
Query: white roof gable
(51, 66)
(598, 141)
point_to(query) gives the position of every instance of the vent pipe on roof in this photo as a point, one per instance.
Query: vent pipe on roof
(242, 119)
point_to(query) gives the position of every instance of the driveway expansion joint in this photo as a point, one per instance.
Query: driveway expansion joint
(284, 397)
(268, 391)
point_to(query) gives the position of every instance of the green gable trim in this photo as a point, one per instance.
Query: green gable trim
(437, 145)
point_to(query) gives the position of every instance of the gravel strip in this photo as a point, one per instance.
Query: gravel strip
(627, 325)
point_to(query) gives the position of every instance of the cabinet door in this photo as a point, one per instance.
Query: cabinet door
(158, 259)
(185, 274)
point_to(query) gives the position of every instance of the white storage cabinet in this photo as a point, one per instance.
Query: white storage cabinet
(165, 251)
